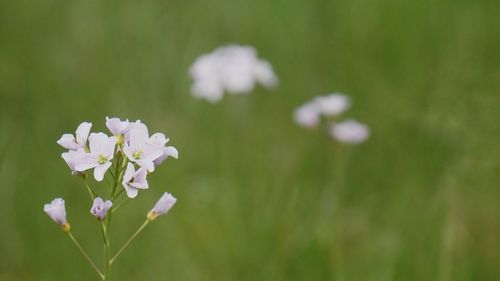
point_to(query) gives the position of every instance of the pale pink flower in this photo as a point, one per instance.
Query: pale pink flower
(102, 149)
(79, 140)
(134, 180)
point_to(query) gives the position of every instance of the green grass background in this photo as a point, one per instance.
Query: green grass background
(259, 197)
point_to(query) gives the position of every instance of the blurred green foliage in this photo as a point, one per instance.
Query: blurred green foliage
(259, 197)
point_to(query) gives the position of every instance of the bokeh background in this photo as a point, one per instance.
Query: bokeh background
(259, 197)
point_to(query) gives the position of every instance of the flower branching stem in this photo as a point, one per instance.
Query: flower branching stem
(119, 205)
(106, 226)
(129, 240)
(91, 191)
(85, 254)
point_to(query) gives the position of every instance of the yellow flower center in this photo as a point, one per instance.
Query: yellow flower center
(102, 159)
(137, 154)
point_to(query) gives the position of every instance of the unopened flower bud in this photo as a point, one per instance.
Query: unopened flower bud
(162, 207)
(57, 212)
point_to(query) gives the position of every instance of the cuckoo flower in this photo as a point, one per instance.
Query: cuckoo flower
(162, 207)
(307, 115)
(235, 69)
(350, 131)
(100, 208)
(134, 180)
(160, 140)
(139, 150)
(78, 141)
(101, 153)
(57, 212)
(333, 104)
(118, 128)
(72, 157)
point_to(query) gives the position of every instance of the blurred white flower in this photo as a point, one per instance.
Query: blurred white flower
(100, 208)
(56, 211)
(307, 115)
(349, 131)
(235, 69)
(102, 149)
(163, 205)
(78, 141)
(134, 180)
(333, 104)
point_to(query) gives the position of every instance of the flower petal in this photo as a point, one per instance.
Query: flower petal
(97, 143)
(109, 147)
(129, 174)
(68, 141)
(171, 151)
(146, 163)
(138, 136)
(100, 170)
(158, 139)
(128, 152)
(85, 162)
(82, 133)
(131, 192)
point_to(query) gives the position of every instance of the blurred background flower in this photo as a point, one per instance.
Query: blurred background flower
(235, 69)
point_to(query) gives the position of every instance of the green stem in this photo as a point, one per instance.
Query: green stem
(91, 191)
(106, 251)
(107, 226)
(85, 254)
(117, 195)
(119, 205)
(130, 240)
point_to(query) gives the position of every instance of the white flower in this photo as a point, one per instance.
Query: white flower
(116, 126)
(102, 149)
(265, 75)
(307, 115)
(71, 158)
(100, 208)
(235, 69)
(207, 89)
(350, 131)
(333, 104)
(160, 140)
(56, 211)
(138, 149)
(163, 205)
(134, 180)
(78, 141)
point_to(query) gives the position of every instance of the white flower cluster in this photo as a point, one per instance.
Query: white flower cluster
(138, 152)
(235, 69)
(330, 106)
(131, 138)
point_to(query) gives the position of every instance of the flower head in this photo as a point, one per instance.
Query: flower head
(78, 141)
(102, 149)
(235, 69)
(307, 115)
(138, 149)
(333, 104)
(134, 180)
(163, 205)
(349, 131)
(57, 212)
(100, 208)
